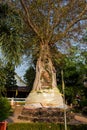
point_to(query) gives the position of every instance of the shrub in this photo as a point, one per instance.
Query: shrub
(83, 103)
(84, 110)
(4, 108)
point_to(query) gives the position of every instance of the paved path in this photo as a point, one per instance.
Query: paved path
(81, 118)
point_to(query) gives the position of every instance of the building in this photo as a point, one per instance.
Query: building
(21, 91)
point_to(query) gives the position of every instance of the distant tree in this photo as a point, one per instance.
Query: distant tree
(10, 77)
(29, 77)
(74, 72)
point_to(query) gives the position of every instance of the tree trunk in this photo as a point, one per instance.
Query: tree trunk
(45, 92)
(45, 71)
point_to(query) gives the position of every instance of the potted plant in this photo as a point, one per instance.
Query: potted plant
(4, 112)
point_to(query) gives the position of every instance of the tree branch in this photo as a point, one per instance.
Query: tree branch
(58, 16)
(63, 34)
(29, 21)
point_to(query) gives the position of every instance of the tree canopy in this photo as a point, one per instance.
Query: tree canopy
(44, 21)
(10, 33)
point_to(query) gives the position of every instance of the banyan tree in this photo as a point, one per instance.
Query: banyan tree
(49, 23)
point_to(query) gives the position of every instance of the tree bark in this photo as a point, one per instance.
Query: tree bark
(45, 71)
(45, 92)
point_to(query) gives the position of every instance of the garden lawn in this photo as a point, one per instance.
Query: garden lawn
(43, 126)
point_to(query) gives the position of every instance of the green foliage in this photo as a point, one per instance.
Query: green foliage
(4, 108)
(74, 67)
(10, 33)
(10, 77)
(84, 110)
(7, 79)
(29, 77)
(44, 126)
(43, 24)
(83, 103)
(74, 72)
(2, 78)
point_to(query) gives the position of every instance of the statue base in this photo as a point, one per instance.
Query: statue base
(45, 106)
(45, 98)
(50, 115)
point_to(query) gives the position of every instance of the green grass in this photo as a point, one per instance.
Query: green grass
(43, 126)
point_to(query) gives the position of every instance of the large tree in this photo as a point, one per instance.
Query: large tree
(49, 23)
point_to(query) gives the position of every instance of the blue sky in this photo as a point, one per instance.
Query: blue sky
(20, 70)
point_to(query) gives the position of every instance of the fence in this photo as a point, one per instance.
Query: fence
(17, 101)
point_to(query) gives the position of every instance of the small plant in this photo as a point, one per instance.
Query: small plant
(84, 110)
(4, 108)
(83, 103)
